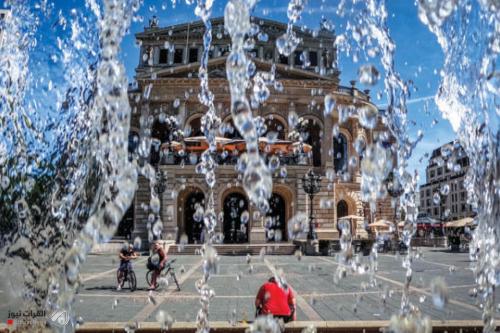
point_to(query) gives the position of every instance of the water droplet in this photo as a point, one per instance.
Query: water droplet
(436, 198)
(368, 75)
(298, 225)
(245, 216)
(445, 189)
(329, 104)
(274, 163)
(368, 117)
(439, 292)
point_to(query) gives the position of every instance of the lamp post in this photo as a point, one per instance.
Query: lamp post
(160, 186)
(312, 184)
(161, 181)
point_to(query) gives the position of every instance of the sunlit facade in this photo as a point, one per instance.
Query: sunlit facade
(444, 196)
(168, 67)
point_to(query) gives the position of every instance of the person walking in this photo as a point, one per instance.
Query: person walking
(276, 299)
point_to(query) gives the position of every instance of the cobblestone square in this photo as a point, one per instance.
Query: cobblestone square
(318, 297)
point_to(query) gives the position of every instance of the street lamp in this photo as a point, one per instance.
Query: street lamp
(311, 184)
(160, 186)
(161, 182)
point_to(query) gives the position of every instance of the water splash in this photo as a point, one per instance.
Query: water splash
(469, 98)
(257, 180)
(90, 184)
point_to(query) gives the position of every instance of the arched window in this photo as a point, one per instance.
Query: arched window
(230, 131)
(340, 153)
(195, 127)
(274, 125)
(314, 139)
(160, 133)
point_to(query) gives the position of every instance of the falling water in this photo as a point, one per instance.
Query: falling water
(469, 97)
(90, 186)
(210, 122)
(64, 144)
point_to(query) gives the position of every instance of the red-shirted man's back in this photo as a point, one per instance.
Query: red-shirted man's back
(276, 300)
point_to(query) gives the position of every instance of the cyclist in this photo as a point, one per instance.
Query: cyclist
(126, 254)
(162, 259)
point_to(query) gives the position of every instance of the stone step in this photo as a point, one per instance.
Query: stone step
(238, 249)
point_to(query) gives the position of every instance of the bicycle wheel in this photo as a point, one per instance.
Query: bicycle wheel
(132, 281)
(149, 275)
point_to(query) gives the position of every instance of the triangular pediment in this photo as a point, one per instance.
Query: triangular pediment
(217, 69)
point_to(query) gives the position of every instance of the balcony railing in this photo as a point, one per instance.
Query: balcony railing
(172, 158)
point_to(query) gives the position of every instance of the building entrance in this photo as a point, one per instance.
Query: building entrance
(193, 220)
(276, 219)
(235, 231)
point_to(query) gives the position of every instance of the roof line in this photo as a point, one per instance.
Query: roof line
(221, 19)
(221, 60)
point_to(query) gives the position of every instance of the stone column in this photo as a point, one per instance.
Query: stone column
(156, 55)
(327, 145)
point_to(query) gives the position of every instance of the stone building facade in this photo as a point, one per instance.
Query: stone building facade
(167, 74)
(443, 196)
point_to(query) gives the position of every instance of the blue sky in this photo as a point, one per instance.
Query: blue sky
(418, 56)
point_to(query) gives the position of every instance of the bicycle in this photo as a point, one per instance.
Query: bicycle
(128, 276)
(168, 270)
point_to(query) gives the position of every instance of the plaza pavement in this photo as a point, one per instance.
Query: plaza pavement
(237, 282)
(318, 297)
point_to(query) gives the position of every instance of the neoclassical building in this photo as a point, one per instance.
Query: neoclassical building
(167, 75)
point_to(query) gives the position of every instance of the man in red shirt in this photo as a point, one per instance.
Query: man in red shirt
(276, 300)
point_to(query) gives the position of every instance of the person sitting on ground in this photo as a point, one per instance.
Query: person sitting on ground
(162, 259)
(126, 254)
(276, 299)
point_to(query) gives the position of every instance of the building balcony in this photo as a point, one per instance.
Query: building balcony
(174, 158)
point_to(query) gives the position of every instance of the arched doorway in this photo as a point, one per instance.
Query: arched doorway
(313, 131)
(342, 210)
(340, 153)
(126, 225)
(234, 206)
(276, 219)
(193, 220)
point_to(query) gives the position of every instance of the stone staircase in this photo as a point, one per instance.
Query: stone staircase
(237, 249)
(113, 246)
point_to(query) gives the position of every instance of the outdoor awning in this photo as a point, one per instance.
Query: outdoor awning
(174, 145)
(465, 222)
(351, 217)
(200, 143)
(306, 147)
(381, 224)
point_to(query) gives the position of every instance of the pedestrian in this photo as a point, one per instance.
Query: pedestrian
(276, 299)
